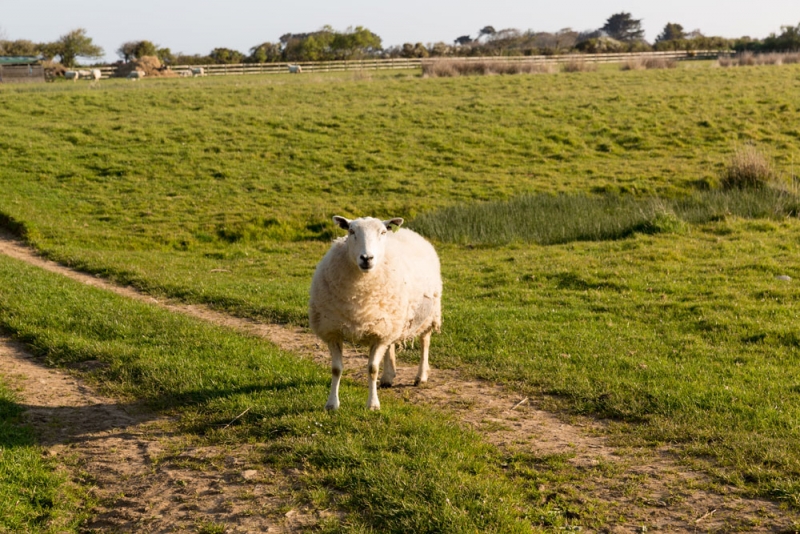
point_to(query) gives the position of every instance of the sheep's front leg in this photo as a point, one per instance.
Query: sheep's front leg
(422, 373)
(375, 354)
(336, 375)
(389, 368)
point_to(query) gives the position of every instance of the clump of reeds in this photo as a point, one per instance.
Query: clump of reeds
(578, 65)
(749, 59)
(648, 63)
(748, 168)
(550, 219)
(461, 67)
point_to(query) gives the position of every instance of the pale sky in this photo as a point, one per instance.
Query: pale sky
(198, 26)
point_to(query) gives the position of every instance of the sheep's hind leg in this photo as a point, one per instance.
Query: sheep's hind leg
(422, 373)
(375, 354)
(389, 368)
(336, 375)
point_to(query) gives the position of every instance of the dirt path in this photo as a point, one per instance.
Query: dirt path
(146, 479)
(647, 488)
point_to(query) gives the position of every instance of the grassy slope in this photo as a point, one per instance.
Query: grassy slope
(171, 180)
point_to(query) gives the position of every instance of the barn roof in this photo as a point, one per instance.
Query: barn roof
(18, 60)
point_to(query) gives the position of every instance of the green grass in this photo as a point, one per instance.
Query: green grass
(34, 495)
(221, 191)
(688, 340)
(404, 469)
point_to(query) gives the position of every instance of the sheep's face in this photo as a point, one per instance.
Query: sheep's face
(366, 239)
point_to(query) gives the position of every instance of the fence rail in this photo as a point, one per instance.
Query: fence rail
(413, 63)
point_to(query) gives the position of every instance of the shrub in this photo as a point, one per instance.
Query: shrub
(747, 169)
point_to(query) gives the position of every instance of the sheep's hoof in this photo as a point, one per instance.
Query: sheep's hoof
(374, 408)
(384, 384)
(330, 407)
(418, 381)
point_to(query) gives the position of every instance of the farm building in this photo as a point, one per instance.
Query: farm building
(17, 69)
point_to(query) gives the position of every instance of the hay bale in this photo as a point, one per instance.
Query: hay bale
(150, 65)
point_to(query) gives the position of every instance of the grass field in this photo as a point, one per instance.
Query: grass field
(221, 191)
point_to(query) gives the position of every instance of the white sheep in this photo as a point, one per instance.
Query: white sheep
(295, 69)
(96, 74)
(198, 71)
(379, 288)
(135, 75)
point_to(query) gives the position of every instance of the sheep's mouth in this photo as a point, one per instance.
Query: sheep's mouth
(365, 266)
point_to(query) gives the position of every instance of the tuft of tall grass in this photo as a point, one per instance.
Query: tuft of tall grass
(578, 65)
(551, 219)
(749, 59)
(443, 68)
(748, 168)
(648, 63)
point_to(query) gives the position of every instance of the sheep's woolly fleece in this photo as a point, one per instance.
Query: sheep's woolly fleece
(399, 300)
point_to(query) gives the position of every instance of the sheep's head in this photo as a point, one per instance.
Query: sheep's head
(366, 239)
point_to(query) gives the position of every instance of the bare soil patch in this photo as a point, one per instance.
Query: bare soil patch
(147, 478)
(642, 488)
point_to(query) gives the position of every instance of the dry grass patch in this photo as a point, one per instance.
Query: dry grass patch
(649, 63)
(443, 68)
(578, 65)
(748, 168)
(749, 59)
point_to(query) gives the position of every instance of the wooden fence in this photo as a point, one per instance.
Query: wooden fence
(414, 63)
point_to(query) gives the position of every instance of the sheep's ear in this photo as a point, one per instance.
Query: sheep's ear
(341, 222)
(397, 222)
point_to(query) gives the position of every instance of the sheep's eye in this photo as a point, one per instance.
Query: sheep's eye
(351, 232)
(383, 232)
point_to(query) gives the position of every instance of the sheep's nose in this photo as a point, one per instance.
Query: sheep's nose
(366, 258)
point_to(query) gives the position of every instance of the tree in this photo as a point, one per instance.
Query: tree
(622, 27)
(226, 56)
(486, 30)
(265, 53)
(137, 50)
(671, 32)
(354, 43)
(789, 39)
(75, 44)
(414, 51)
(463, 40)
(165, 55)
(20, 47)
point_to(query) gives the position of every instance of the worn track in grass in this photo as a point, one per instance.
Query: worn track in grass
(648, 487)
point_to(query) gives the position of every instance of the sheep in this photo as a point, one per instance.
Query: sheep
(71, 75)
(379, 288)
(295, 69)
(96, 74)
(135, 75)
(198, 71)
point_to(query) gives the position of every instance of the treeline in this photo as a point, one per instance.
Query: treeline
(620, 33)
